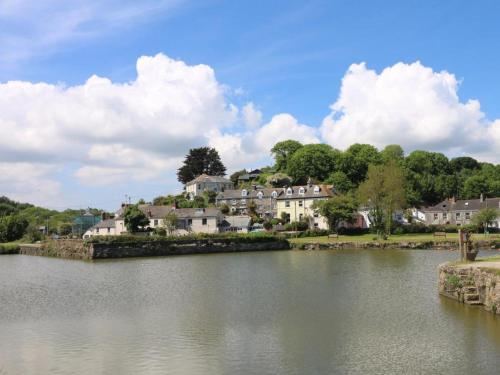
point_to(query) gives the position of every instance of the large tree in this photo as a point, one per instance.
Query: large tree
(383, 193)
(283, 151)
(336, 209)
(134, 218)
(485, 217)
(356, 159)
(314, 160)
(198, 161)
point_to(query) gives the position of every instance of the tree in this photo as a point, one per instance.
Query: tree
(134, 218)
(336, 209)
(199, 161)
(464, 162)
(383, 192)
(485, 217)
(278, 180)
(356, 159)
(234, 177)
(12, 228)
(252, 208)
(341, 183)
(65, 229)
(392, 152)
(224, 208)
(475, 186)
(315, 160)
(170, 222)
(283, 151)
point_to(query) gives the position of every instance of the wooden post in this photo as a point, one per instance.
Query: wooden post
(460, 245)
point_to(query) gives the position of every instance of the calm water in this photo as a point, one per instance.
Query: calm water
(338, 312)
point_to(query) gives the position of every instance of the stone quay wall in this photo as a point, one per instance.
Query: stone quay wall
(79, 249)
(471, 285)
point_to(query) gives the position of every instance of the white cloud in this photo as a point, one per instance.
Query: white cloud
(138, 130)
(251, 116)
(407, 104)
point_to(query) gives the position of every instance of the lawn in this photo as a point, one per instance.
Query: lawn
(393, 238)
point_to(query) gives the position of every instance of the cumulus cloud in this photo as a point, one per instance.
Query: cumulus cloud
(411, 105)
(251, 116)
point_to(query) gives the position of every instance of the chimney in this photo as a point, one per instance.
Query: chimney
(309, 182)
(481, 198)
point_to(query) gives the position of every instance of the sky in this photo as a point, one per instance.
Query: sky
(99, 99)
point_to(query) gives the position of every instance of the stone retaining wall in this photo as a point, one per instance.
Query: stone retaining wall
(441, 245)
(471, 285)
(78, 249)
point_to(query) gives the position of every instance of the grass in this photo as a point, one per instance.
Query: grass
(9, 248)
(412, 237)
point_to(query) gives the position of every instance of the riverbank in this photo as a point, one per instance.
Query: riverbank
(126, 247)
(9, 248)
(472, 283)
(404, 241)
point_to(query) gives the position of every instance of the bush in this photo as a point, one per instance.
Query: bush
(297, 226)
(353, 231)
(268, 225)
(9, 248)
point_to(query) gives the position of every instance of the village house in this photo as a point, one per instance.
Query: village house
(239, 200)
(250, 176)
(103, 228)
(205, 182)
(237, 223)
(295, 204)
(459, 212)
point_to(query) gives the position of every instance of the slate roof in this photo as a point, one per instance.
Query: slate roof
(464, 205)
(325, 191)
(109, 223)
(251, 193)
(241, 221)
(159, 212)
(206, 178)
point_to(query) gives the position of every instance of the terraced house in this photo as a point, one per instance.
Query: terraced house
(239, 200)
(295, 204)
(205, 182)
(459, 212)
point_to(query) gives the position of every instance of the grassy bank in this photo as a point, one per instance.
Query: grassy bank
(9, 248)
(396, 238)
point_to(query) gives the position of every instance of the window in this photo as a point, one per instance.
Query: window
(243, 202)
(435, 216)
(316, 189)
(287, 203)
(204, 221)
(274, 194)
(109, 230)
(302, 191)
(234, 202)
(190, 221)
(260, 195)
(244, 193)
(301, 203)
(445, 216)
(316, 214)
(301, 216)
(289, 191)
(97, 230)
(199, 186)
(467, 215)
(316, 225)
(155, 222)
(457, 215)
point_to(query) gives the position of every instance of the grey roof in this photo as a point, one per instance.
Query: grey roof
(206, 178)
(159, 212)
(109, 223)
(464, 205)
(325, 191)
(241, 221)
(251, 193)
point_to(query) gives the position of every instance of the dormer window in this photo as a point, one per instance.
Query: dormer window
(316, 189)
(466, 203)
(289, 191)
(302, 191)
(244, 193)
(274, 194)
(260, 195)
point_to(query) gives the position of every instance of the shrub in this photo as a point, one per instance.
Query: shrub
(353, 231)
(454, 281)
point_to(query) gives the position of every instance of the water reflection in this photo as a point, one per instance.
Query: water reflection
(339, 311)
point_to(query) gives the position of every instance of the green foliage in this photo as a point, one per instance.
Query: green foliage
(65, 229)
(454, 281)
(316, 161)
(485, 217)
(337, 209)
(356, 159)
(9, 248)
(383, 193)
(12, 228)
(198, 161)
(224, 208)
(392, 153)
(282, 152)
(234, 177)
(278, 180)
(341, 183)
(170, 222)
(297, 226)
(134, 218)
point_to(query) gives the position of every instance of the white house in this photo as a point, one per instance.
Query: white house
(103, 228)
(205, 182)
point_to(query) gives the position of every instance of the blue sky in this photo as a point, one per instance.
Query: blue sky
(284, 57)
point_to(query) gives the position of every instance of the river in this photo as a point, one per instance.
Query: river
(316, 312)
